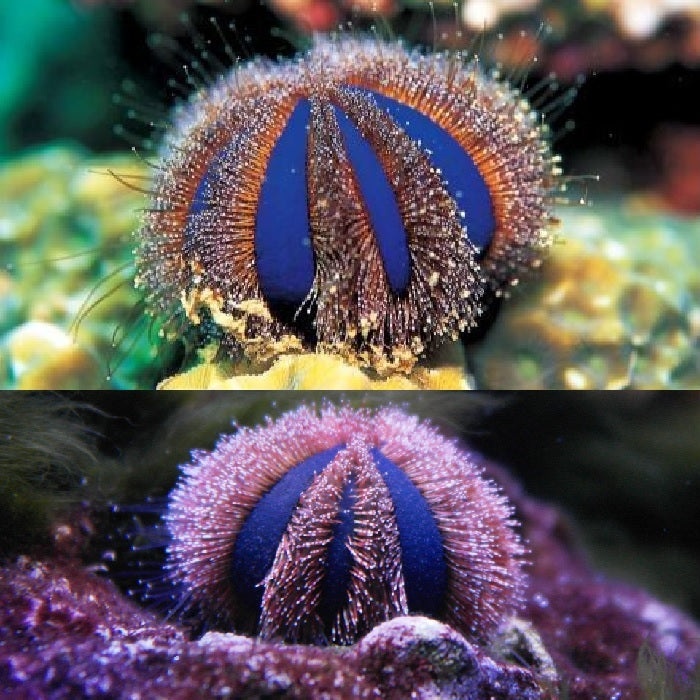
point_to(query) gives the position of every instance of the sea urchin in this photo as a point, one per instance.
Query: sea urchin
(320, 525)
(361, 200)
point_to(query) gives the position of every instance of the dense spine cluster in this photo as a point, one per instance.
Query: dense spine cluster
(360, 200)
(318, 526)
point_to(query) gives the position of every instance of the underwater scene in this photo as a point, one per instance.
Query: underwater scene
(337, 194)
(452, 545)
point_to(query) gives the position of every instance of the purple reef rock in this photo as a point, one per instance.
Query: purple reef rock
(421, 658)
(65, 632)
(592, 627)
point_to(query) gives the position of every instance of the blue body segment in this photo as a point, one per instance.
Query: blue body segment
(285, 260)
(261, 532)
(200, 200)
(422, 555)
(339, 559)
(461, 176)
(202, 195)
(381, 205)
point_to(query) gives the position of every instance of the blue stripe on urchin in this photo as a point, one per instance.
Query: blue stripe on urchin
(422, 557)
(380, 201)
(202, 195)
(261, 533)
(284, 256)
(462, 178)
(202, 199)
(284, 253)
(339, 560)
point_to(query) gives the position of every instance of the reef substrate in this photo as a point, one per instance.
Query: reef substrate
(617, 306)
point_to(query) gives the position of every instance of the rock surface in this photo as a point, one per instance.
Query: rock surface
(64, 632)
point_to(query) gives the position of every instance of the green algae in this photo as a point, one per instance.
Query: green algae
(69, 315)
(658, 682)
(47, 456)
